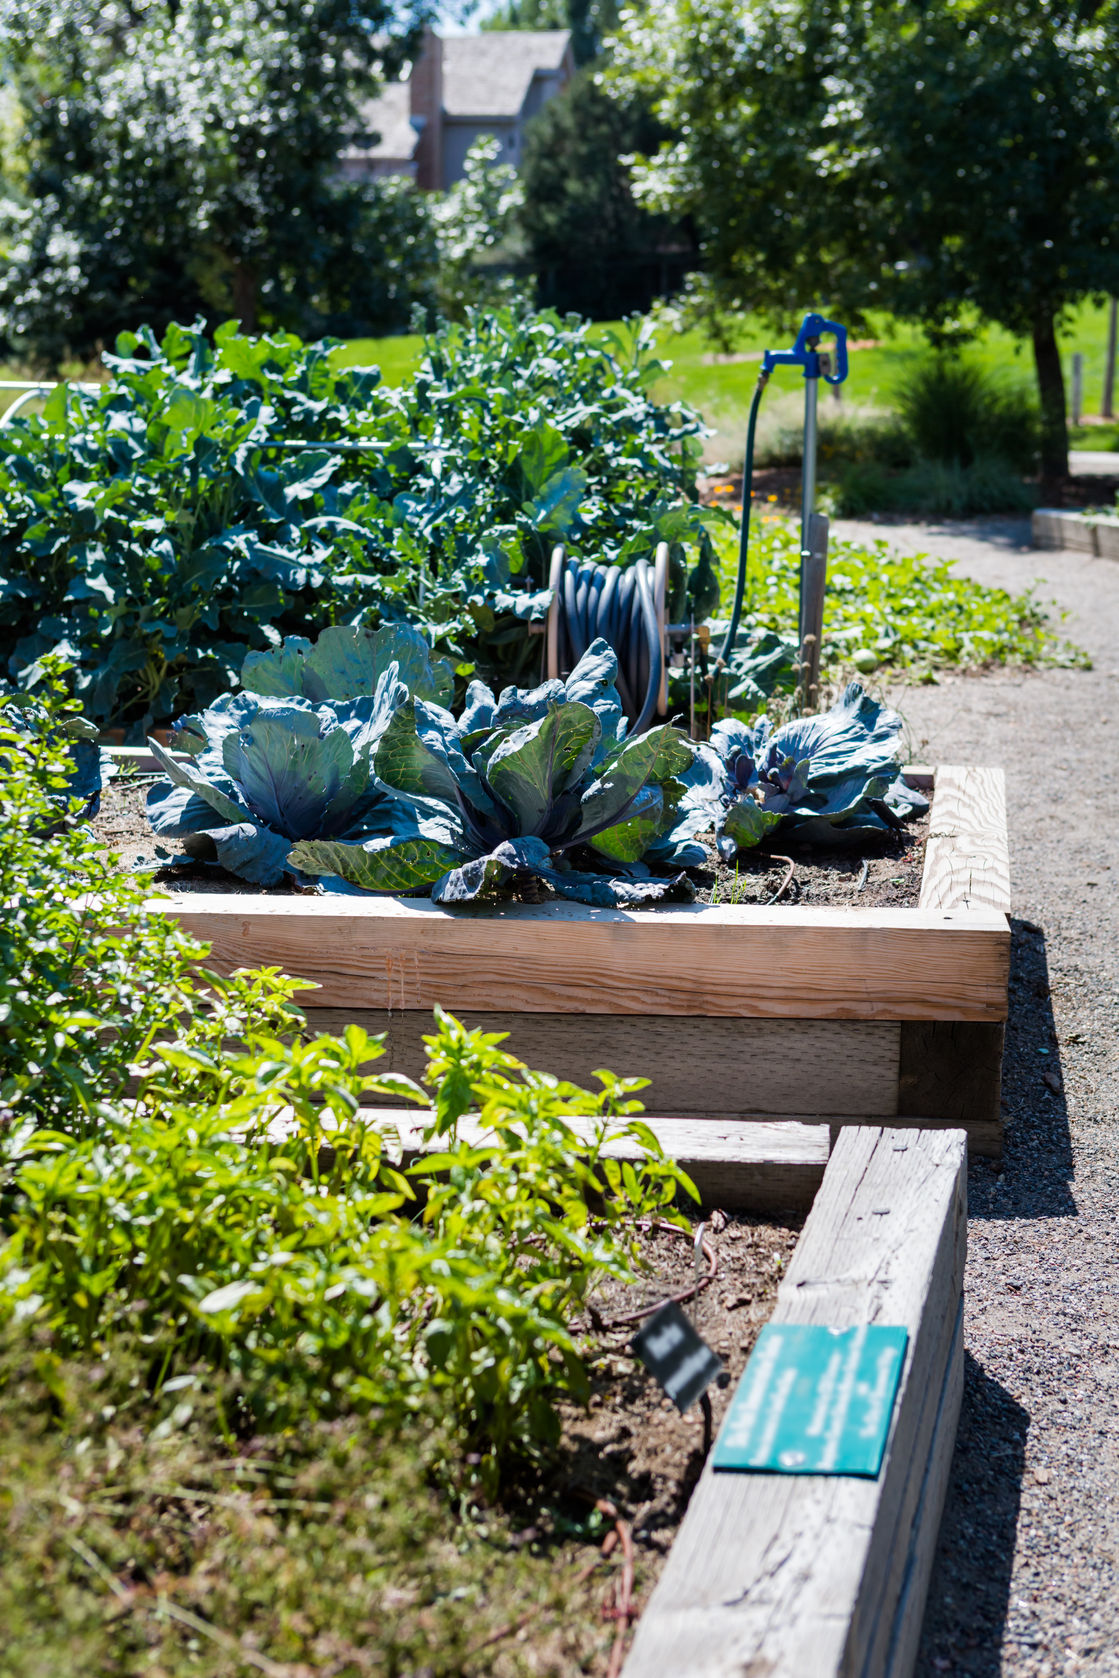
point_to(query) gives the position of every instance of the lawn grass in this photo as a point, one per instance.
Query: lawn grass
(179, 1544)
(722, 390)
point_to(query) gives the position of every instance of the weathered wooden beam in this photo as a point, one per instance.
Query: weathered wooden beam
(951, 1072)
(799, 963)
(695, 1065)
(967, 857)
(791, 1575)
(760, 1168)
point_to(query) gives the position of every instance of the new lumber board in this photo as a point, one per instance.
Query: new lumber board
(694, 1064)
(790, 1575)
(794, 962)
(967, 856)
(760, 1168)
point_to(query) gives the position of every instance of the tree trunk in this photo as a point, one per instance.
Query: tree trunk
(1051, 390)
(245, 296)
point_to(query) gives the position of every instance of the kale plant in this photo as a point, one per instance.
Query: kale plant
(517, 785)
(290, 757)
(830, 777)
(214, 495)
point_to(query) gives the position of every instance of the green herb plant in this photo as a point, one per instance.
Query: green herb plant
(182, 1168)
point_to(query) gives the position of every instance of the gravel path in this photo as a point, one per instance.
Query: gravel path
(1027, 1572)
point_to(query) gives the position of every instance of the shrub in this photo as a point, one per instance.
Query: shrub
(935, 488)
(958, 414)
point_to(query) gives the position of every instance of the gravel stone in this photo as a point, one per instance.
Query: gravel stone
(1026, 1580)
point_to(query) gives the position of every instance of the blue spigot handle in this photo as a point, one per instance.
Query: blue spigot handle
(804, 352)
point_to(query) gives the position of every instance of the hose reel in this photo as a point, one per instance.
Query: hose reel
(627, 608)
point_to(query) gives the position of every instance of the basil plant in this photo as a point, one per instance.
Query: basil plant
(538, 783)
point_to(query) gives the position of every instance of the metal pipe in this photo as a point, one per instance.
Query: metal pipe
(808, 479)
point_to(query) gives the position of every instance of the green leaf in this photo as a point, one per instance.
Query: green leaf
(535, 765)
(391, 863)
(653, 757)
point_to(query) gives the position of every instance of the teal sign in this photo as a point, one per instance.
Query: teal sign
(813, 1401)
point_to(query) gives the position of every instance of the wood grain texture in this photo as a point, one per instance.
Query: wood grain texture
(951, 1070)
(898, 1639)
(967, 857)
(761, 1168)
(828, 963)
(786, 1575)
(764, 1068)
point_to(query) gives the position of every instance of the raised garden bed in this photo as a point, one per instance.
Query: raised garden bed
(790, 1574)
(734, 1012)
(1093, 533)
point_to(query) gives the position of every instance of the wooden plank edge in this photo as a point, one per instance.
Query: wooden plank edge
(776, 1167)
(900, 1655)
(964, 834)
(819, 964)
(920, 776)
(898, 1523)
(919, 1469)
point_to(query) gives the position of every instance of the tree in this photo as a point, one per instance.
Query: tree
(477, 217)
(594, 249)
(938, 159)
(182, 155)
(588, 20)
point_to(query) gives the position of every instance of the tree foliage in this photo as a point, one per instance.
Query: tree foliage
(588, 20)
(593, 247)
(939, 160)
(181, 156)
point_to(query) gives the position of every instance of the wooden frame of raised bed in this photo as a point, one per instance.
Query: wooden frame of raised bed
(826, 1016)
(816, 1576)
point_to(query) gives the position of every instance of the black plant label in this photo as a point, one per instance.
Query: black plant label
(676, 1355)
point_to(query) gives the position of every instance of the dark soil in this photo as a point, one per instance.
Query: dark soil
(634, 1447)
(893, 863)
(122, 825)
(880, 873)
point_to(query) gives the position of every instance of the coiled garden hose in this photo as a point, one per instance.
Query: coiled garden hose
(624, 607)
(744, 531)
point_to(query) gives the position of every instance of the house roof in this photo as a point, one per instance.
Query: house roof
(388, 116)
(489, 75)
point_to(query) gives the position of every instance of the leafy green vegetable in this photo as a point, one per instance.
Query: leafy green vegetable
(884, 607)
(290, 757)
(829, 777)
(214, 495)
(514, 786)
(183, 1171)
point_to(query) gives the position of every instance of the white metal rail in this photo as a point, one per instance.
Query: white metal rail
(32, 388)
